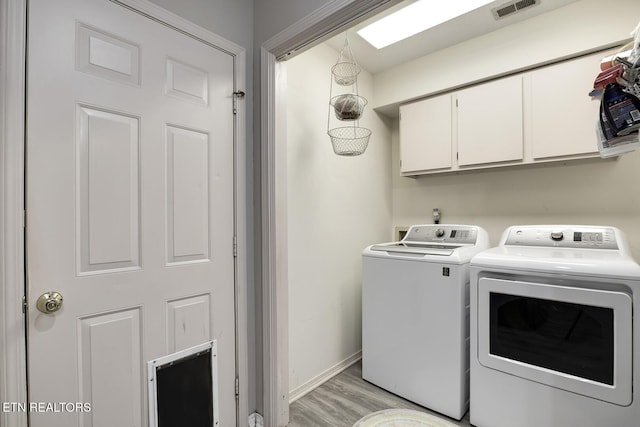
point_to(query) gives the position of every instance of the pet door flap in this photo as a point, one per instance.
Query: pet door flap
(183, 388)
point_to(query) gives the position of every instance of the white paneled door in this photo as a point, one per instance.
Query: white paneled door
(129, 209)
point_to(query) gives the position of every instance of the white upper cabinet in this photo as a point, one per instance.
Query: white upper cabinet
(538, 116)
(490, 122)
(561, 115)
(426, 135)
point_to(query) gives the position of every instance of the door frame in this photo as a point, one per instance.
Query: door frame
(325, 22)
(13, 366)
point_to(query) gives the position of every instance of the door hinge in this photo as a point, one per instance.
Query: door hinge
(25, 306)
(237, 388)
(235, 246)
(238, 94)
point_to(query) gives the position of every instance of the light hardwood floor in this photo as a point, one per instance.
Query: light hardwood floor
(346, 398)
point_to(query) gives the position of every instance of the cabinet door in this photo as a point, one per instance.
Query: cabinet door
(490, 122)
(425, 135)
(562, 116)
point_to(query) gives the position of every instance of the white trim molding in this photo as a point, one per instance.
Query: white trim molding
(13, 377)
(274, 250)
(240, 226)
(13, 46)
(323, 377)
(327, 20)
(178, 23)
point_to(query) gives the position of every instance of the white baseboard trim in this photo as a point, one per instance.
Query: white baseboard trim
(318, 380)
(255, 420)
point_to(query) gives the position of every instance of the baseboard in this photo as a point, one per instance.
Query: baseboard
(255, 420)
(318, 380)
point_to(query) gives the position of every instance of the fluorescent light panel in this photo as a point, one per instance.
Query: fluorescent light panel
(414, 19)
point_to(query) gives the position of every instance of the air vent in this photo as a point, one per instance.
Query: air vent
(512, 7)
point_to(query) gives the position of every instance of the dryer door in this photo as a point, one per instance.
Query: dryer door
(572, 338)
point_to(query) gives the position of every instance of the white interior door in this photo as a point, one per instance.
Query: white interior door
(129, 208)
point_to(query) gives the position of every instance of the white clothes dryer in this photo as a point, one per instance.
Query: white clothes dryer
(554, 342)
(415, 315)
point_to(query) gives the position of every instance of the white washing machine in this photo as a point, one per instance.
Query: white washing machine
(554, 342)
(415, 315)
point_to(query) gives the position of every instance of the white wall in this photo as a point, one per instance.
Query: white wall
(336, 207)
(595, 192)
(231, 19)
(269, 18)
(273, 16)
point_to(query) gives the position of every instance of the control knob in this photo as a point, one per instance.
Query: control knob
(440, 232)
(557, 236)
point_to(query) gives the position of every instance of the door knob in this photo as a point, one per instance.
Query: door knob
(49, 302)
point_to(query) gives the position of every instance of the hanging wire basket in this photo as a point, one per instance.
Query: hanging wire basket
(345, 73)
(350, 140)
(346, 70)
(348, 106)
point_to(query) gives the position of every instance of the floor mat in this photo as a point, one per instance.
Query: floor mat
(401, 418)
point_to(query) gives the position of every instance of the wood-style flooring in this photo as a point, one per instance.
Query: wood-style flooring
(346, 398)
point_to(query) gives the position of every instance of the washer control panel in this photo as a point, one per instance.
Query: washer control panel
(563, 237)
(454, 234)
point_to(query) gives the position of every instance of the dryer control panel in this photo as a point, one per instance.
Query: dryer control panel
(562, 237)
(440, 233)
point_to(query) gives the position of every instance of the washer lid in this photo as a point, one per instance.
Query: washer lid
(416, 248)
(449, 243)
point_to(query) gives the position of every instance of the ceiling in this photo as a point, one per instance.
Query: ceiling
(473, 24)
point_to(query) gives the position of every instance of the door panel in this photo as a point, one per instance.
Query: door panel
(108, 191)
(187, 198)
(426, 135)
(552, 93)
(106, 55)
(129, 207)
(490, 122)
(107, 341)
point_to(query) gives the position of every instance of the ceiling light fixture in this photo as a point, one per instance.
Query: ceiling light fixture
(415, 18)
